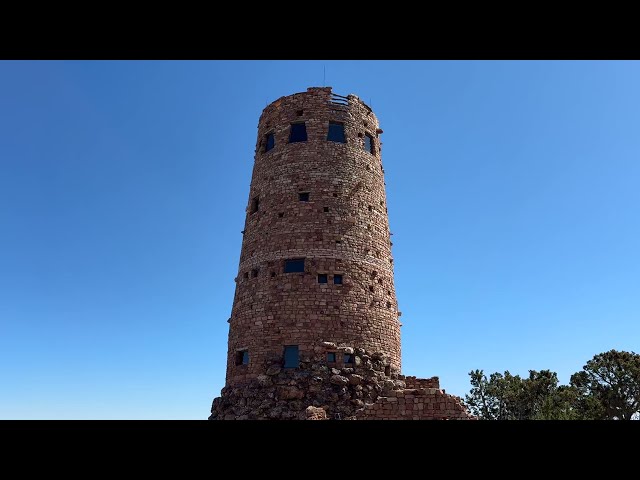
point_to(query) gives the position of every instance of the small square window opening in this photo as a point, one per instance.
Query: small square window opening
(270, 142)
(337, 279)
(242, 357)
(298, 133)
(336, 132)
(294, 265)
(368, 144)
(291, 356)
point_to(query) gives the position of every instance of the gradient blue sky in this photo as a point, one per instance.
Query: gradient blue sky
(513, 195)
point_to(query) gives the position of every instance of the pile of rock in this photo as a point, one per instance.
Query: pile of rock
(319, 390)
(282, 393)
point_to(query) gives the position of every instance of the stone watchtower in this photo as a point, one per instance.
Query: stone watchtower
(314, 329)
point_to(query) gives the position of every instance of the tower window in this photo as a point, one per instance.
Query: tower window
(291, 356)
(348, 358)
(325, 209)
(336, 132)
(337, 279)
(322, 278)
(368, 144)
(331, 357)
(242, 357)
(303, 197)
(270, 142)
(254, 273)
(298, 133)
(294, 265)
(255, 204)
(246, 274)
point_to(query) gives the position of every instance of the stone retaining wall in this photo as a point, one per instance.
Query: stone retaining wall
(364, 390)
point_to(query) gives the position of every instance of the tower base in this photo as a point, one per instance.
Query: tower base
(366, 389)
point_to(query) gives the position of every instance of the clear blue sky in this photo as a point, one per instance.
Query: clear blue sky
(513, 195)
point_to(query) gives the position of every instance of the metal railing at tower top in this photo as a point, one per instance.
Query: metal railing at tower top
(336, 99)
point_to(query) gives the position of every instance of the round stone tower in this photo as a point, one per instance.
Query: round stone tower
(316, 262)
(314, 331)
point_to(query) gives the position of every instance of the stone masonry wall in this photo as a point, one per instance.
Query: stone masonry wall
(318, 390)
(413, 382)
(342, 229)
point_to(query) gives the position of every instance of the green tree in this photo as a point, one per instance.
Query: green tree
(487, 399)
(510, 397)
(608, 386)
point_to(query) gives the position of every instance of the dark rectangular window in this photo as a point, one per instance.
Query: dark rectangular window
(242, 357)
(368, 144)
(294, 265)
(336, 132)
(322, 278)
(331, 357)
(337, 279)
(270, 142)
(291, 356)
(348, 358)
(303, 197)
(298, 133)
(255, 204)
